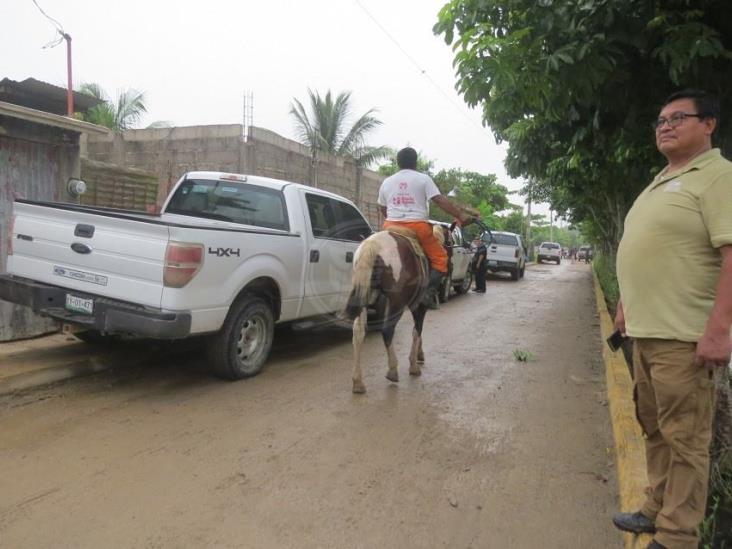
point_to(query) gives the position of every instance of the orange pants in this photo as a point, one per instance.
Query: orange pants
(434, 251)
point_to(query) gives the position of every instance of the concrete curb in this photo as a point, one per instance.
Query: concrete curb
(630, 453)
(30, 363)
(52, 374)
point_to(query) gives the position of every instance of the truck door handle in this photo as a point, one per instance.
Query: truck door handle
(314, 256)
(349, 257)
(83, 230)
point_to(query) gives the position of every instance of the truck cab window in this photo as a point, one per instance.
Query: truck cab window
(350, 223)
(322, 217)
(230, 201)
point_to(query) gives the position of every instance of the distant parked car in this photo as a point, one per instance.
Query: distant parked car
(459, 274)
(585, 252)
(506, 254)
(549, 251)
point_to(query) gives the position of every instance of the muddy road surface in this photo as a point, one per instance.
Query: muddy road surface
(481, 451)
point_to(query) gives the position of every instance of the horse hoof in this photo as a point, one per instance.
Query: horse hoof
(415, 373)
(358, 388)
(393, 376)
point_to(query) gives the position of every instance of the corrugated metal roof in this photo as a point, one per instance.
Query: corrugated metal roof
(43, 96)
(49, 119)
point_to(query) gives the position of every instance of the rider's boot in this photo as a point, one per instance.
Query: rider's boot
(430, 298)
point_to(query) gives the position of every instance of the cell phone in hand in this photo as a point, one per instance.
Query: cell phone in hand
(615, 341)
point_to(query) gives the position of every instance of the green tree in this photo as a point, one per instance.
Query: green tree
(473, 189)
(120, 115)
(327, 128)
(573, 84)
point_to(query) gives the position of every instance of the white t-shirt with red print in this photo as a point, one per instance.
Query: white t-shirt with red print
(406, 195)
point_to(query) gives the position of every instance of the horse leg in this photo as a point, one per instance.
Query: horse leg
(388, 334)
(359, 333)
(416, 356)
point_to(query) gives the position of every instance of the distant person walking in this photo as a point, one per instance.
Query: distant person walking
(404, 201)
(480, 265)
(675, 274)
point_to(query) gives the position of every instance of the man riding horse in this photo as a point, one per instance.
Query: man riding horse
(404, 202)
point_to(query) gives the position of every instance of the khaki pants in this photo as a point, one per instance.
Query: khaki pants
(674, 404)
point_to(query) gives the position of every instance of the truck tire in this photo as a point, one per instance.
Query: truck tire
(445, 288)
(515, 273)
(242, 346)
(465, 284)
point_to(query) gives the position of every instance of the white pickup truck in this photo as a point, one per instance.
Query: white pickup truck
(230, 255)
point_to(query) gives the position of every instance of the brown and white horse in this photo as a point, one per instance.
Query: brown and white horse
(390, 272)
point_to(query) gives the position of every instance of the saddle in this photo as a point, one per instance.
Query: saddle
(411, 237)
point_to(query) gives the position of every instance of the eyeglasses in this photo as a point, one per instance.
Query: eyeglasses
(674, 120)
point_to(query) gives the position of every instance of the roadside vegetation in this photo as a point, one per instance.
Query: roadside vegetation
(572, 87)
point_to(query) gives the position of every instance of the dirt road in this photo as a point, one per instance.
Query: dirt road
(482, 451)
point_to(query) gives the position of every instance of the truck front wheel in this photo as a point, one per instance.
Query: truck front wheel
(242, 346)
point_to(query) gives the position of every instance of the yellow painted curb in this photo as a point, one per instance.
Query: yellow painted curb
(630, 453)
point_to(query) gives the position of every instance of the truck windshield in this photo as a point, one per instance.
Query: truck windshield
(230, 201)
(504, 239)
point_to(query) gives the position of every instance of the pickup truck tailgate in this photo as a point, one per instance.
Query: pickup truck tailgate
(109, 255)
(500, 252)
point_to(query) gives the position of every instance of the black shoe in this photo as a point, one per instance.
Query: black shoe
(636, 522)
(655, 545)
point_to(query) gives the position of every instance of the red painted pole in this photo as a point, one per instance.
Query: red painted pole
(70, 91)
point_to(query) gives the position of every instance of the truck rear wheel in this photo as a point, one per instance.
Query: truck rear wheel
(242, 346)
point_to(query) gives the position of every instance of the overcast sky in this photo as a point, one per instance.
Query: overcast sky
(195, 59)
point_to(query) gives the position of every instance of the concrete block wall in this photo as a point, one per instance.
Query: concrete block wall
(170, 152)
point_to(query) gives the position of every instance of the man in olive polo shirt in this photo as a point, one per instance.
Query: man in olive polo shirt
(675, 275)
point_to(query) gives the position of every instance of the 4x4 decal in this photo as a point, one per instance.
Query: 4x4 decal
(224, 252)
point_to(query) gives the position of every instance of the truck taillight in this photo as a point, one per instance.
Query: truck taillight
(11, 228)
(182, 262)
(516, 253)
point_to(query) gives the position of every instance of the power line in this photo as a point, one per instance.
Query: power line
(59, 27)
(421, 70)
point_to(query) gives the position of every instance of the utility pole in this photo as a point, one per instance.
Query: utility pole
(62, 35)
(528, 223)
(551, 225)
(70, 90)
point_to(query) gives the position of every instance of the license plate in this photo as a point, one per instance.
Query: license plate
(492, 263)
(79, 304)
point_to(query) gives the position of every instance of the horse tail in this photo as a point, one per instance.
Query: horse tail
(363, 267)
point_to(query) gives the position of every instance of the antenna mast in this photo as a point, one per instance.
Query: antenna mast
(248, 118)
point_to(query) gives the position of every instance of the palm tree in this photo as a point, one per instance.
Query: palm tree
(325, 129)
(118, 116)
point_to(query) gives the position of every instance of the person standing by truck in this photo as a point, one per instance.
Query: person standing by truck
(404, 200)
(479, 265)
